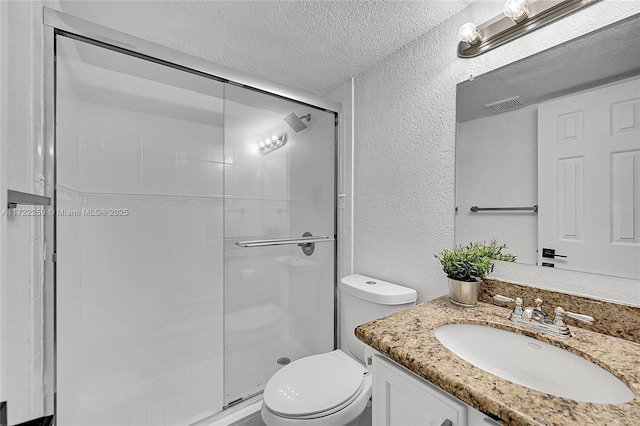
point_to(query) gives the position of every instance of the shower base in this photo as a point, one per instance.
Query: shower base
(248, 370)
(169, 399)
(182, 397)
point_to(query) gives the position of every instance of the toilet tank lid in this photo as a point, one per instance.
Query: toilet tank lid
(377, 291)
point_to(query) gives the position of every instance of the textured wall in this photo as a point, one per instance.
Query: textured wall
(405, 138)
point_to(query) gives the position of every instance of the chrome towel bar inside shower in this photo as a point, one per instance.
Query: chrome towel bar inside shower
(284, 241)
(476, 209)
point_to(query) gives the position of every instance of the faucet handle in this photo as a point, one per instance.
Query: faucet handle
(517, 311)
(560, 313)
(581, 317)
(501, 298)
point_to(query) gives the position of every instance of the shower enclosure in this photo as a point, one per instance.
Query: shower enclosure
(186, 207)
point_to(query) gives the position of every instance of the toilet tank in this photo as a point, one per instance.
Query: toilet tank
(363, 299)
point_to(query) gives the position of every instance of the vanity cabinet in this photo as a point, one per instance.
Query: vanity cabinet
(401, 398)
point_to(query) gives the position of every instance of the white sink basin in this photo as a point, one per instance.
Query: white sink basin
(532, 363)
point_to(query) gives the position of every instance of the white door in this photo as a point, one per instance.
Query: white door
(589, 180)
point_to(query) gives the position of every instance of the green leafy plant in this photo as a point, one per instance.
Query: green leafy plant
(473, 261)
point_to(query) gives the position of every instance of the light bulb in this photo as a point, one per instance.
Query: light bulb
(468, 33)
(516, 10)
(261, 145)
(274, 137)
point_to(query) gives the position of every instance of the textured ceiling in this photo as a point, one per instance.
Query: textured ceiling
(308, 45)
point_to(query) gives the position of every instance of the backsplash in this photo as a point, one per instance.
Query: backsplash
(614, 319)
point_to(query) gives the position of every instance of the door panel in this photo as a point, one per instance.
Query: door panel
(139, 237)
(589, 180)
(279, 302)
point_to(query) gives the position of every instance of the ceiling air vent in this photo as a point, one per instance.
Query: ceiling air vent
(507, 104)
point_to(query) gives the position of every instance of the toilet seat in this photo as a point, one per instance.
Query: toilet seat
(315, 386)
(347, 416)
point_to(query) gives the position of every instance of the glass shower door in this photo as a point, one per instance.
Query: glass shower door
(139, 240)
(279, 183)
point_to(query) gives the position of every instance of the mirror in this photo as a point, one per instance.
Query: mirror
(548, 155)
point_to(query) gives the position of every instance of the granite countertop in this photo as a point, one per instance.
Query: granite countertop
(408, 338)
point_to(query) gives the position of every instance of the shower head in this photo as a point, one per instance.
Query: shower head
(296, 122)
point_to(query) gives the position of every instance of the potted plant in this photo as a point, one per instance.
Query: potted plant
(467, 265)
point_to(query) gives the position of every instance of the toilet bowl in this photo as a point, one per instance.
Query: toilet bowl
(325, 389)
(334, 388)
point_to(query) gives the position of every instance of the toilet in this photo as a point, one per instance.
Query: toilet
(334, 388)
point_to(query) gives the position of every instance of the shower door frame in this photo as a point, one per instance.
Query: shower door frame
(60, 24)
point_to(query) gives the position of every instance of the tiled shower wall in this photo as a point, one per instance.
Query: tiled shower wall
(140, 288)
(160, 257)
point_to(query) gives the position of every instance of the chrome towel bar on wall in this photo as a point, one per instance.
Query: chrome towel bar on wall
(16, 197)
(475, 209)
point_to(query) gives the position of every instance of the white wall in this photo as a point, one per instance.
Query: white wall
(21, 332)
(3, 190)
(405, 144)
(496, 165)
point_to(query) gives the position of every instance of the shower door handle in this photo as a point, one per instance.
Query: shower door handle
(284, 241)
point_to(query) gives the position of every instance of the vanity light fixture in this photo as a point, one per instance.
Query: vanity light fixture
(469, 34)
(520, 17)
(516, 10)
(272, 143)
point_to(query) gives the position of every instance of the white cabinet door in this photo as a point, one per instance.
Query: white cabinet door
(589, 180)
(402, 399)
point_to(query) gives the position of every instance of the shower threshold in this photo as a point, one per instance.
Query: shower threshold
(240, 400)
(239, 413)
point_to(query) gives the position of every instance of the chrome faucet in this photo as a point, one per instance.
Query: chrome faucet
(536, 319)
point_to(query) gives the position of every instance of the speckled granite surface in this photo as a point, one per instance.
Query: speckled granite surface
(610, 318)
(407, 338)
